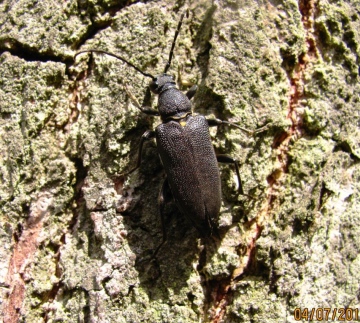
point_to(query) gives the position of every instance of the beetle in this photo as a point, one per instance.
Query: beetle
(185, 149)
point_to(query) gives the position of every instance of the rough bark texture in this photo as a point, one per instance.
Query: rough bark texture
(73, 233)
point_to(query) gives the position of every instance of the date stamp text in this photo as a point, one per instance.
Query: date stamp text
(326, 314)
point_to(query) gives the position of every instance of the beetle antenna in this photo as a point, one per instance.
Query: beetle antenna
(116, 56)
(173, 43)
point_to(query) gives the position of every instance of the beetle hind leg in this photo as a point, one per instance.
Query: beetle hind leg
(191, 92)
(165, 196)
(229, 160)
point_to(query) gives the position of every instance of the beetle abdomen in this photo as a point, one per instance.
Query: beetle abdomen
(190, 164)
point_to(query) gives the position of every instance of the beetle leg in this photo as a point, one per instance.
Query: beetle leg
(218, 122)
(191, 91)
(229, 160)
(149, 134)
(164, 197)
(144, 109)
(149, 111)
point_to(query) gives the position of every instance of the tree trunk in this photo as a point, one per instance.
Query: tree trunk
(77, 236)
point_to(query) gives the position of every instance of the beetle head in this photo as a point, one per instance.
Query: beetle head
(161, 82)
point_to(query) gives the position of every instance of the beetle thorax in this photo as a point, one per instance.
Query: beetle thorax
(172, 103)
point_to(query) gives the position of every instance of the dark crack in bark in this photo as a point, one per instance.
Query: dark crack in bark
(282, 142)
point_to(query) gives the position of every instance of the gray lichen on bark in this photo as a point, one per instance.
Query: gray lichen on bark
(73, 231)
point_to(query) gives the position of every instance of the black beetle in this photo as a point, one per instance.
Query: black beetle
(185, 149)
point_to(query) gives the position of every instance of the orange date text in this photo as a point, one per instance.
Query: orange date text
(326, 314)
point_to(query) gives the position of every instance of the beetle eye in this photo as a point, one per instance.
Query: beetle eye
(154, 85)
(170, 76)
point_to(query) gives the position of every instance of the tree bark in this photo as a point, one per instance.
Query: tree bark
(76, 236)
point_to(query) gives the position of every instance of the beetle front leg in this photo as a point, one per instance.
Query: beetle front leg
(147, 110)
(149, 134)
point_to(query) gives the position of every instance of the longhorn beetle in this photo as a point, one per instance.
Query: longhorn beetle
(185, 149)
